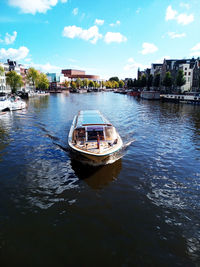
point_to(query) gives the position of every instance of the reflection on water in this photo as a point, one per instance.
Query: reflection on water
(97, 177)
(141, 210)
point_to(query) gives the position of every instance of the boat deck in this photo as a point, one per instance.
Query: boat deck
(92, 147)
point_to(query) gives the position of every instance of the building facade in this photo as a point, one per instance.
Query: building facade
(75, 74)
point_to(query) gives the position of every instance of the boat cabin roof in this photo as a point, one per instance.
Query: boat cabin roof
(90, 117)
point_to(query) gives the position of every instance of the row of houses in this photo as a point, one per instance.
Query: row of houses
(11, 65)
(190, 67)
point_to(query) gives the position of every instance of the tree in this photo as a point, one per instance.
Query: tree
(149, 81)
(1, 71)
(103, 84)
(42, 82)
(14, 80)
(167, 81)
(180, 79)
(85, 83)
(108, 84)
(114, 79)
(156, 80)
(143, 80)
(73, 85)
(32, 76)
(91, 84)
(115, 84)
(79, 83)
(121, 84)
(66, 84)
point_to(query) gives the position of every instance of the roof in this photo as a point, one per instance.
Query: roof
(90, 117)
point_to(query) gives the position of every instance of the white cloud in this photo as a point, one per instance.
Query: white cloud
(170, 13)
(99, 21)
(174, 35)
(116, 37)
(117, 23)
(160, 60)
(92, 34)
(34, 6)
(185, 19)
(148, 48)
(138, 10)
(182, 18)
(46, 67)
(75, 11)
(9, 39)
(131, 68)
(196, 47)
(14, 54)
(195, 50)
(185, 5)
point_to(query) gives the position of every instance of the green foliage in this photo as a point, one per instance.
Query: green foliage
(180, 79)
(66, 84)
(42, 82)
(79, 83)
(156, 81)
(91, 84)
(73, 85)
(32, 76)
(1, 71)
(14, 80)
(85, 83)
(149, 81)
(143, 80)
(114, 79)
(167, 81)
(121, 84)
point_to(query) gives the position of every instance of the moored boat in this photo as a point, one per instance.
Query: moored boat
(93, 136)
(150, 95)
(12, 103)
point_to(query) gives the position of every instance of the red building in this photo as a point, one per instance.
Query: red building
(75, 74)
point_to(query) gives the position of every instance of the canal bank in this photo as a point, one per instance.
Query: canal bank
(142, 210)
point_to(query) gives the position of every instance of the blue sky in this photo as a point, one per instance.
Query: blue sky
(106, 38)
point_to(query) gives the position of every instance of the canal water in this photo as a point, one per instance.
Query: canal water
(141, 210)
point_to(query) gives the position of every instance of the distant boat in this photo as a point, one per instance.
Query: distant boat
(93, 136)
(150, 95)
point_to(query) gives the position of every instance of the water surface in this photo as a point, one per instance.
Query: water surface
(142, 210)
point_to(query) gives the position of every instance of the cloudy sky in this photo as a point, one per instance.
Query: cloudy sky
(107, 38)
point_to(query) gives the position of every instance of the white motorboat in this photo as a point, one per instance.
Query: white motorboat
(93, 136)
(4, 103)
(12, 103)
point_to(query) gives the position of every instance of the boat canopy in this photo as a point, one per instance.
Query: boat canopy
(90, 117)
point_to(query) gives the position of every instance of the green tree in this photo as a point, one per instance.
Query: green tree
(91, 84)
(73, 85)
(32, 76)
(42, 82)
(149, 81)
(167, 81)
(115, 84)
(78, 83)
(143, 80)
(156, 80)
(14, 80)
(85, 83)
(108, 84)
(114, 79)
(1, 71)
(66, 84)
(121, 84)
(180, 79)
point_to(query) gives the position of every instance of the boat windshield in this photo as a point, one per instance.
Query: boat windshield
(94, 133)
(110, 133)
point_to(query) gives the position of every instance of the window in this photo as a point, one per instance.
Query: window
(185, 73)
(185, 68)
(189, 73)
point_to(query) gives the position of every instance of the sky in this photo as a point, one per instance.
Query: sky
(103, 37)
